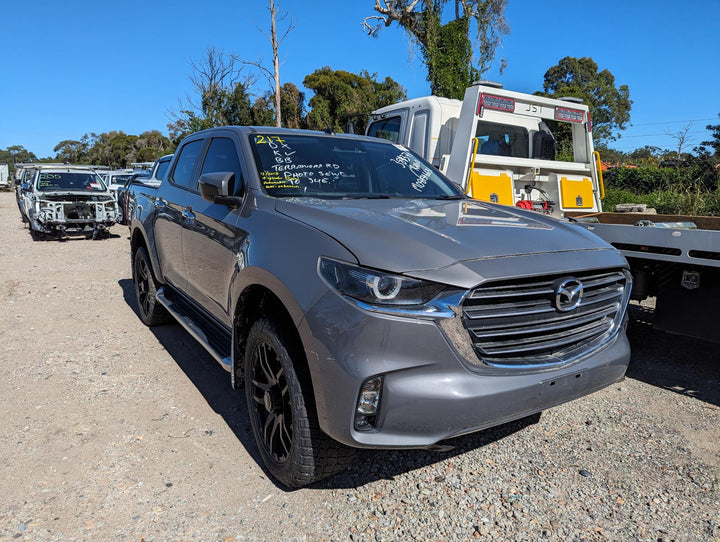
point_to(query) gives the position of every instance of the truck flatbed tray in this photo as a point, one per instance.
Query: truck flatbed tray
(702, 222)
(699, 246)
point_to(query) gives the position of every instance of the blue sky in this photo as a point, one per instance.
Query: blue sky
(75, 67)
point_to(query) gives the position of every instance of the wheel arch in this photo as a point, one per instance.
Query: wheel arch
(139, 239)
(260, 301)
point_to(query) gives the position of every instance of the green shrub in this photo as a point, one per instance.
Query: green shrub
(691, 189)
(643, 180)
(670, 202)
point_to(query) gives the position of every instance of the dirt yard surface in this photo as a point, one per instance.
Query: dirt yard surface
(114, 431)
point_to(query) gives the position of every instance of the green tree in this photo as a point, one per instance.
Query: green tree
(342, 96)
(579, 77)
(715, 141)
(263, 112)
(151, 145)
(647, 155)
(446, 46)
(16, 154)
(71, 151)
(292, 106)
(122, 149)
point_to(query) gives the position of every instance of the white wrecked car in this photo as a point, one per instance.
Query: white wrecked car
(60, 200)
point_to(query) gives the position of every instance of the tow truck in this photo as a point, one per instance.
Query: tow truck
(498, 145)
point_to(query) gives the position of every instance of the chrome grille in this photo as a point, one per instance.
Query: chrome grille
(516, 322)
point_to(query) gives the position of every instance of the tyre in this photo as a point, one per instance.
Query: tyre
(151, 312)
(36, 235)
(282, 414)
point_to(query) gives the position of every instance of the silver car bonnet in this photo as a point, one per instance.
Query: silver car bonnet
(409, 236)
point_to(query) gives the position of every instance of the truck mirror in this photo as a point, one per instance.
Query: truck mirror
(219, 188)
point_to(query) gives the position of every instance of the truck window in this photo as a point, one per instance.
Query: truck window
(221, 157)
(502, 140)
(388, 128)
(418, 133)
(185, 165)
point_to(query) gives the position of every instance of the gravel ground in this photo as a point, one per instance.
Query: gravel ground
(114, 431)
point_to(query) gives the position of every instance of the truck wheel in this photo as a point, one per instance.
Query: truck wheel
(282, 414)
(151, 312)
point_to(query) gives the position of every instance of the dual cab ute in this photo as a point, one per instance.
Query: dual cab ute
(364, 300)
(57, 200)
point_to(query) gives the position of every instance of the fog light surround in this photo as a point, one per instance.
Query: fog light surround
(368, 404)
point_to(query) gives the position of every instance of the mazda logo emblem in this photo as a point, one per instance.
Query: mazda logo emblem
(568, 294)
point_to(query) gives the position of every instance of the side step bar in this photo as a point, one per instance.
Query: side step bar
(201, 328)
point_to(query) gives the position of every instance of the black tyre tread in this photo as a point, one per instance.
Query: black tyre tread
(315, 455)
(157, 314)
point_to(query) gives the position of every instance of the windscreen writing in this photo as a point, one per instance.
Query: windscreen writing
(69, 181)
(327, 166)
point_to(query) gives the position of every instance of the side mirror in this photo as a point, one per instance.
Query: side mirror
(219, 188)
(25, 187)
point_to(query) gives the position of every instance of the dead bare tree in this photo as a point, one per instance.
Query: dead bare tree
(215, 70)
(273, 76)
(682, 137)
(276, 64)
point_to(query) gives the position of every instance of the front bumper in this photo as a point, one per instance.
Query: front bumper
(430, 392)
(52, 215)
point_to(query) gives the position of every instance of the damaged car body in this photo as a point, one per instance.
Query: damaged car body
(63, 200)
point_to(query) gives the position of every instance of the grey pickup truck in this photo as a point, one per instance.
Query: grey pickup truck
(363, 301)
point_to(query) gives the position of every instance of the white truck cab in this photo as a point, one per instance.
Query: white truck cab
(497, 145)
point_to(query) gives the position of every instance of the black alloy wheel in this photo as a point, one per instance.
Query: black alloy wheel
(282, 410)
(271, 396)
(151, 312)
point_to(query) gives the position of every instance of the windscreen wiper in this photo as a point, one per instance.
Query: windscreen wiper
(368, 196)
(445, 196)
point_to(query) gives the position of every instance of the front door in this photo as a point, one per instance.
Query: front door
(211, 238)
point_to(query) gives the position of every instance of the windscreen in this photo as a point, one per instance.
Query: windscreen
(66, 180)
(340, 167)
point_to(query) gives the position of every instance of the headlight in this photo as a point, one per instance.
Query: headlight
(377, 288)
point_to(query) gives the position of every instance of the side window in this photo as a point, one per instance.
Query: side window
(221, 157)
(418, 132)
(162, 169)
(28, 176)
(185, 165)
(386, 128)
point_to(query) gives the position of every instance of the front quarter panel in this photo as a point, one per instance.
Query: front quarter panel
(281, 254)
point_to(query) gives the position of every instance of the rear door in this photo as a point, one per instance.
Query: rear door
(174, 197)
